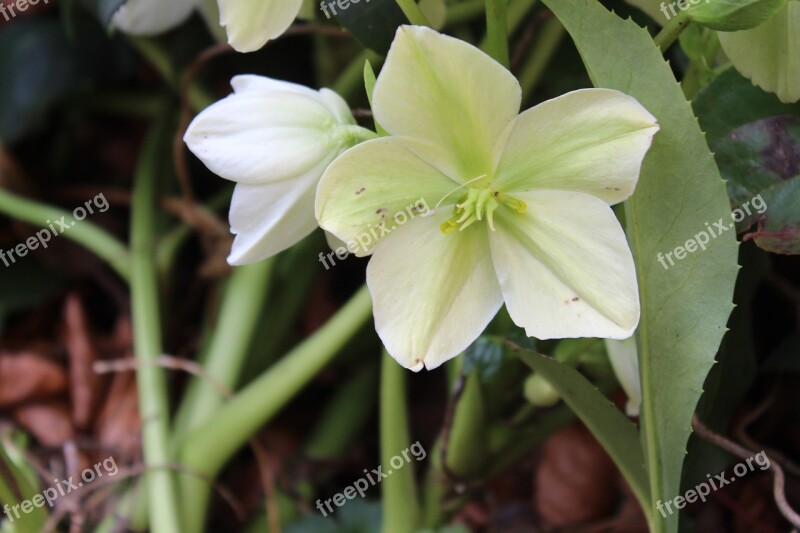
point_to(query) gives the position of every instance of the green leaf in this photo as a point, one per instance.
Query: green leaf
(756, 139)
(374, 23)
(613, 430)
(485, 354)
(734, 15)
(684, 307)
(355, 516)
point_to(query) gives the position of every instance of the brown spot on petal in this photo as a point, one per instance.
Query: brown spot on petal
(361, 190)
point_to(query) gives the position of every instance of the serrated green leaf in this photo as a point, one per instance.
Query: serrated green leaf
(756, 141)
(684, 307)
(613, 430)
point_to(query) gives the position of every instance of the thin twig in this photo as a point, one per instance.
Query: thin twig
(743, 453)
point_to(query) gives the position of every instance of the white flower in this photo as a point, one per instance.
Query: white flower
(249, 23)
(274, 139)
(522, 203)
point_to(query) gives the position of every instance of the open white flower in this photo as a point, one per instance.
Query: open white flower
(274, 139)
(249, 23)
(522, 203)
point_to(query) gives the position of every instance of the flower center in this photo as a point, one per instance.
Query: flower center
(477, 205)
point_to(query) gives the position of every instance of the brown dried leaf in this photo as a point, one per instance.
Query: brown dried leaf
(87, 387)
(49, 422)
(576, 481)
(29, 376)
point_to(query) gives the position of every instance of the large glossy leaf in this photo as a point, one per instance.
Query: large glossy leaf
(684, 307)
(613, 430)
(756, 141)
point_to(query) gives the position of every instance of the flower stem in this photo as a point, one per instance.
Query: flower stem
(85, 233)
(497, 31)
(413, 13)
(151, 381)
(673, 29)
(464, 12)
(400, 505)
(210, 445)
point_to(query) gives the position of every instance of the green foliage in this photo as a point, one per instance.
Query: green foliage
(373, 23)
(684, 308)
(612, 429)
(756, 140)
(734, 15)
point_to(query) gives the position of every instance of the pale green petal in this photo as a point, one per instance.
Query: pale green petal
(251, 23)
(769, 54)
(152, 17)
(375, 182)
(625, 363)
(262, 136)
(449, 101)
(565, 267)
(268, 218)
(433, 294)
(591, 140)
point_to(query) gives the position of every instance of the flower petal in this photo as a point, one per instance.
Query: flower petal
(250, 24)
(433, 294)
(565, 267)
(449, 101)
(268, 218)
(624, 361)
(259, 136)
(769, 54)
(590, 140)
(375, 182)
(151, 17)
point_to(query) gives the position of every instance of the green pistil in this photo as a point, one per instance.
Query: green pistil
(477, 205)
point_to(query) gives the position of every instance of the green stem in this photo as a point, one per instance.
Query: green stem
(413, 13)
(464, 12)
(239, 419)
(467, 444)
(239, 317)
(400, 506)
(85, 233)
(546, 46)
(497, 31)
(345, 416)
(151, 380)
(673, 29)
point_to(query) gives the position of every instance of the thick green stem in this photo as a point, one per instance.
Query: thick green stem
(224, 356)
(151, 380)
(497, 31)
(673, 29)
(210, 445)
(413, 13)
(400, 506)
(85, 233)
